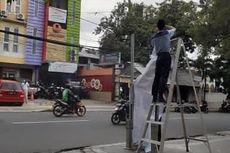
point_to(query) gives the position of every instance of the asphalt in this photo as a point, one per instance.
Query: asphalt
(41, 105)
(219, 142)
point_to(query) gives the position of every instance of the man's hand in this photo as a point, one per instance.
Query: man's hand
(168, 27)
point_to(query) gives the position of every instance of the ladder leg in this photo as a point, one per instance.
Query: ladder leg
(182, 116)
(197, 101)
(146, 126)
(155, 130)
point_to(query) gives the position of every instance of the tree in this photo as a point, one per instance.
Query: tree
(211, 31)
(141, 21)
(126, 19)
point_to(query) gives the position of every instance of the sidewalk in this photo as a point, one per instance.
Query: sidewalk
(219, 144)
(40, 105)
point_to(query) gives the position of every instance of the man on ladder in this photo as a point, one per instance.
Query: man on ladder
(161, 43)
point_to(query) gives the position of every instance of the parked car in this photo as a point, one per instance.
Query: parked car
(11, 92)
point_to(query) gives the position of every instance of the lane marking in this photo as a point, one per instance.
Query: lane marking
(47, 122)
(186, 118)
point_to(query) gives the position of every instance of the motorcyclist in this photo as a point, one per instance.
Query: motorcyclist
(68, 96)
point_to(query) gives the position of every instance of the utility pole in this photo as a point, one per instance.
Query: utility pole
(129, 125)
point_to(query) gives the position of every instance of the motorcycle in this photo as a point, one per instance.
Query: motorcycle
(225, 107)
(121, 112)
(60, 108)
(52, 92)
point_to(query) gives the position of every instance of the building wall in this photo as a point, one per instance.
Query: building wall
(55, 52)
(99, 81)
(13, 23)
(73, 27)
(35, 27)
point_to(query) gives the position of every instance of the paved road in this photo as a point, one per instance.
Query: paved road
(43, 133)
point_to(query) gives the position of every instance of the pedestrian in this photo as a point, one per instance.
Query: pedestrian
(161, 46)
(25, 86)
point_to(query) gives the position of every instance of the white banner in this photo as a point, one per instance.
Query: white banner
(57, 15)
(63, 67)
(142, 102)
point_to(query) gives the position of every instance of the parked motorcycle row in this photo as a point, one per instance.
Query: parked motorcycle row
(193, 107)
(121, 113)
(50, 92)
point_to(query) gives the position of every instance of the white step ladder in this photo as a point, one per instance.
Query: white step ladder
(159, 145)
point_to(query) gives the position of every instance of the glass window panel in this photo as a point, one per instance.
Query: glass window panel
(15, 37)
(6, 47)
(15, 48)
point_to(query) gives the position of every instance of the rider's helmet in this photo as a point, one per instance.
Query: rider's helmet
(67, 86)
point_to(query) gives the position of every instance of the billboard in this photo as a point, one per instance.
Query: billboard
(110, 58)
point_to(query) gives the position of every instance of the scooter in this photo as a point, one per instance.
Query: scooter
(60, 108)
(121, 112)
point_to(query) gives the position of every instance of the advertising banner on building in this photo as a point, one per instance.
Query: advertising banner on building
(57, 15)
(62, 67)
(111, 58)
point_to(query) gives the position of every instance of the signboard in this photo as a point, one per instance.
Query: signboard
(57, 15)
(62, 67)
(112, 58)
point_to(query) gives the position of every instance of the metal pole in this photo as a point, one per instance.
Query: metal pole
(129, 125)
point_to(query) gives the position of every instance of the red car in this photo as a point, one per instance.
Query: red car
(11, 92)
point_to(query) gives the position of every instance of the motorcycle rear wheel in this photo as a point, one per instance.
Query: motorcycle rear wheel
(58, 111)
(81, 111)
(115, 119)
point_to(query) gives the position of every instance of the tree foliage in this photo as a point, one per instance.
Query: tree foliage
(211, 31)
(141, 20)
(121, 23)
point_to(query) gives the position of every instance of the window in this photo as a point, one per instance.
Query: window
(17, 6)
(15, 44)
(8, 7)
(36, 4)
(6, 40)
(34, 41)
(74, 11)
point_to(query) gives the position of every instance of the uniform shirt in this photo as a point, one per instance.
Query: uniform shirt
(65, 95)
(161, 41)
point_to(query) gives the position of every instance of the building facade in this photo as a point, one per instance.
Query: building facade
(35, 27)
(13, 18)
(73, 30)
(62, 24)
(21, 57)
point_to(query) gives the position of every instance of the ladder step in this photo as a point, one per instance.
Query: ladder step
(158, 104)
(154, 122)
(197, 139)
(151, 141)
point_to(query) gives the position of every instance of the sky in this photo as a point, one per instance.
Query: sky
(88, 12)
(103, 8)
